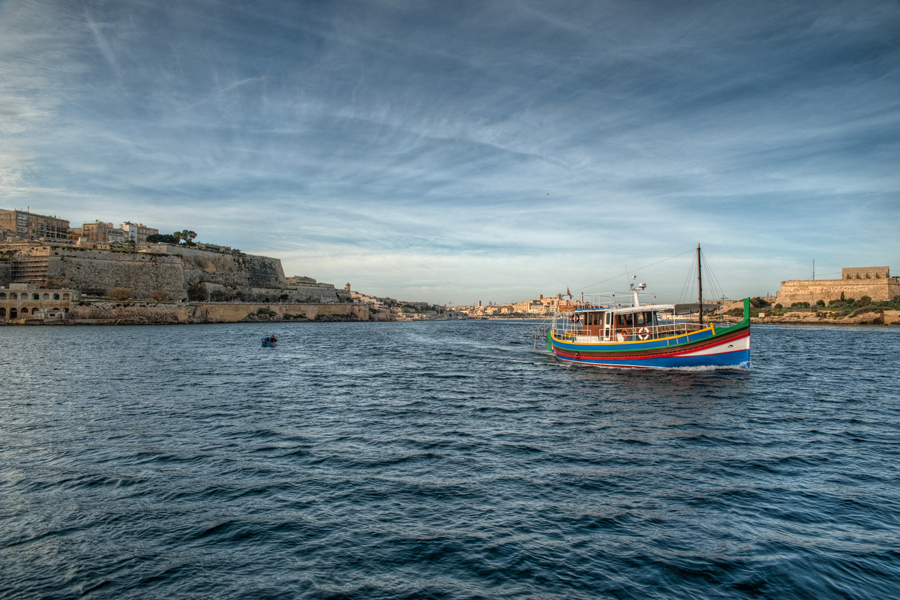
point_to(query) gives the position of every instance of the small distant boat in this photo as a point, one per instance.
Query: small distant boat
(645, 335)
(269, 341)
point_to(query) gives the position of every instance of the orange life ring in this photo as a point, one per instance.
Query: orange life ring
(625, 333)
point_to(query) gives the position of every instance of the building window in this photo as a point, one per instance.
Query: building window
(35, 296)
(56, 296)
(65, 296)
(2, 296)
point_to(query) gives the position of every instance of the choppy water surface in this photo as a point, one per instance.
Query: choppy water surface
(442, 460)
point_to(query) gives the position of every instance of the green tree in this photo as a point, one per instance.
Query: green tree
(161, 238)
(188, 237)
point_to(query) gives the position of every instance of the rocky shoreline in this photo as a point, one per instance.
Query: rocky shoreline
(874, 317)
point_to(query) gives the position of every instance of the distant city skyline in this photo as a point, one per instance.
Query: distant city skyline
(456, 152)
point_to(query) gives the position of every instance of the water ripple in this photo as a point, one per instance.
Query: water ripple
(442, 460)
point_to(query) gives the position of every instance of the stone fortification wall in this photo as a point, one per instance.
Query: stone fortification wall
(236, 270)
(865, 273)
(321, 293)
(831, 289)
(99, 272)
(178, 272)
(110, 313)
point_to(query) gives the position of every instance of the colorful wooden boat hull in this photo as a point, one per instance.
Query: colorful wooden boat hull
(710, 347)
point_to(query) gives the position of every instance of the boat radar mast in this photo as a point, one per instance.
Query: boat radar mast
(636, 290)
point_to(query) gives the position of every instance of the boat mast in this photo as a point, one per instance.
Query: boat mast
(700, 284)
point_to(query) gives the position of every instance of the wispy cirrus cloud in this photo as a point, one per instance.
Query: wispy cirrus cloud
(453, 149)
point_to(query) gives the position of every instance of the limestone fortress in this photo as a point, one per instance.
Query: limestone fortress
(855, 282)
(50, 272)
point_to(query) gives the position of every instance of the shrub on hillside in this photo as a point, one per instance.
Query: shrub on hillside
(820, 303)
(121, 293)
(864, 301)
(800, 305)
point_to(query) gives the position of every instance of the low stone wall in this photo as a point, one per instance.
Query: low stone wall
(109, 313)
(887, 317)
(318, 293)
(236, 312)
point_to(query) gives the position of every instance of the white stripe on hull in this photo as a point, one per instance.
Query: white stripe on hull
(732, 346)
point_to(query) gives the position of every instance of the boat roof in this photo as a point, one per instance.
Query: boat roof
(628, 310)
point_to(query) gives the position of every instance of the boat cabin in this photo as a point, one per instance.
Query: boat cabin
(608, 323)
(593, 323)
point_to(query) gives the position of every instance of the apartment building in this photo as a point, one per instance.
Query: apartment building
(137, 232)
(31, 226)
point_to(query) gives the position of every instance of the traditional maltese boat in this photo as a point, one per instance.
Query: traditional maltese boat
(646, 335)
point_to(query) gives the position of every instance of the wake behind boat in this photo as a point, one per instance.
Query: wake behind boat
(645, 335)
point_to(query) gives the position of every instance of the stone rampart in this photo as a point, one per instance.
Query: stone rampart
(836, 289)
(99, 272)
(321, 293)
(866, 273)
(112, 313)
(236, 270)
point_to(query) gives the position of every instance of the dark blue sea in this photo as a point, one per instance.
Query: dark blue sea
(442, 460)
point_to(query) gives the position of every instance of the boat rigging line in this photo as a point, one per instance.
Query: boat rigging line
(628, 274)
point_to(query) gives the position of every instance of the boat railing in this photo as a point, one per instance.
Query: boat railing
(565, 329)
(539, 334)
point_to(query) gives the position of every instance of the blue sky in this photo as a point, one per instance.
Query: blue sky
(463, 151)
